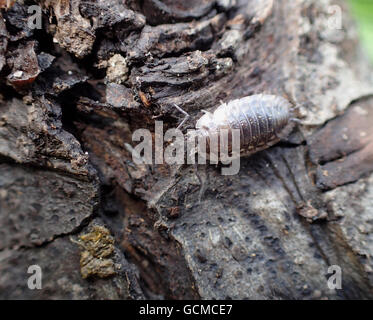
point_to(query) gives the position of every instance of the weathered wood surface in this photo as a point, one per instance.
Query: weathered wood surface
(72, 202)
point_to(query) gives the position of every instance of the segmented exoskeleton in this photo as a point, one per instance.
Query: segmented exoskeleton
(263, 120)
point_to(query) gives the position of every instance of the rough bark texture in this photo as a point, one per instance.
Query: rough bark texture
(73, 202)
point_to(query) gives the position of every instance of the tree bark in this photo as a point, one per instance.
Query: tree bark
(73, 202)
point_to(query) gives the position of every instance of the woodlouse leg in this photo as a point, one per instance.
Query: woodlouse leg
(285, 133)
(296, 120)
(187, 116)
(193, 153)
(195, 166)
(203, 183)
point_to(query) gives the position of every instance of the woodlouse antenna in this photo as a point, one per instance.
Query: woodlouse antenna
(187, 116)
(294, 108)
(300, 122)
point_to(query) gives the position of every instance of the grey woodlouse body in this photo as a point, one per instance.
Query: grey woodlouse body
(263, 120)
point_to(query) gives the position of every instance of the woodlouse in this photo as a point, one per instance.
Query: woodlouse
(263, 120)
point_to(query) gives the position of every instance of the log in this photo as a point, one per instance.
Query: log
(73, 201)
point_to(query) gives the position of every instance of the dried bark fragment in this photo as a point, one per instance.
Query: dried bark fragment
(120, 96)
(112, 13)
(343, 149)
(25, 66)
(164, 83)
(73, 32)
(33, 134)
(160, 12)
(307, 211)
(195, 35)
(16, 18)
(188, 70)
(117, 71)
(45, 60)
(61, 75)
(75, 35)
(78, 21)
